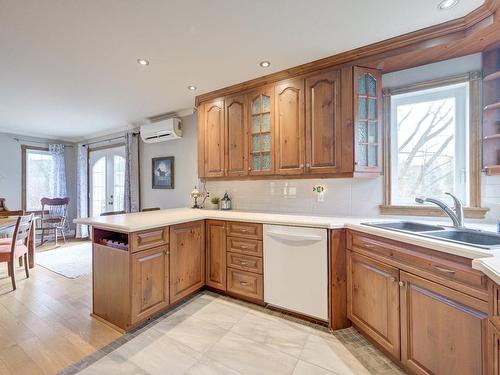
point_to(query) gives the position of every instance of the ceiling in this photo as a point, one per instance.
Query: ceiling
(69, 68)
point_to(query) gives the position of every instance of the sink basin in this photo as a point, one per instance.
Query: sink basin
(468, 237)
(406, 226)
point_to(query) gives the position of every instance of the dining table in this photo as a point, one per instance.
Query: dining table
(7, 225)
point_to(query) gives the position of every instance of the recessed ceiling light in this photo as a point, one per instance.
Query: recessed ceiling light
(265, 64)
(447, 4)
(143, 62)
(191, 87)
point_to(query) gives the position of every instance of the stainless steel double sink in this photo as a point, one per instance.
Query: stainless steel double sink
(470, 237)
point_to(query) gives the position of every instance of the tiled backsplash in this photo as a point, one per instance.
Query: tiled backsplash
(351, 197)
(343, 197)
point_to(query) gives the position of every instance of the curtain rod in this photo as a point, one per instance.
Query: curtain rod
(17, 139)
(108, 140)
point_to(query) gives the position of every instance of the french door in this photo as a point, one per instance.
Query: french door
(106, 180)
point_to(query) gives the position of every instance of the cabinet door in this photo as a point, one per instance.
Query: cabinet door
(373, 300)
(187, 259)
(214, 138)
(237, 138)
(150, 292)
(216, 254)
(261, 132)
(323, 123)
(290, 127)
(442, 331)
(367, 120)
(493, 348)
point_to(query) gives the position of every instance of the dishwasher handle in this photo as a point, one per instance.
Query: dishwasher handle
(294, 236)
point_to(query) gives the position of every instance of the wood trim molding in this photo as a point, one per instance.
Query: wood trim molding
(469, 212)
(438, 35)
(475, 210)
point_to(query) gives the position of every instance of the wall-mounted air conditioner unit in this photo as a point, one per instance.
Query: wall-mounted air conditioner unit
(160, 131)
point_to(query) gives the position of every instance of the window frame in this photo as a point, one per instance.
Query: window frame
(24, 195)
(474, 209)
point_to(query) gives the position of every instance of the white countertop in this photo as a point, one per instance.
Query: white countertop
(147, 220)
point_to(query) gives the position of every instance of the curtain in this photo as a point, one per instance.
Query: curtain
(131, 172)
(82, 231)
(58, 172)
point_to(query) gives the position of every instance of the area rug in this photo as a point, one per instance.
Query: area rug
(69, 261)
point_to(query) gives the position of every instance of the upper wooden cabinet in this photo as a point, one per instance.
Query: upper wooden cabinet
(236, 129)
(261, 134)
(324, 124)
(213, 133)
(290, 127)
(367, 120)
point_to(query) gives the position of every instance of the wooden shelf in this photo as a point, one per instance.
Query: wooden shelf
(493, 106)
(492, 170)
(492, 76)
(493, 136)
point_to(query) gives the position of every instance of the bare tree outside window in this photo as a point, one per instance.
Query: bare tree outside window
(429, 144)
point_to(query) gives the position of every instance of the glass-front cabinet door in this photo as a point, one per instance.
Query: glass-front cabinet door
(367, 120)
(261, 134)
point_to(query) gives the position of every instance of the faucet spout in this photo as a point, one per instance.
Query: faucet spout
(456, 215)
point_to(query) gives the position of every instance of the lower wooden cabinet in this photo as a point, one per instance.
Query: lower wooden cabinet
(442, 331)
(493, 349)
(187, 259)
(245, 284)
(373, 300)
(216, 254)
(150, 291)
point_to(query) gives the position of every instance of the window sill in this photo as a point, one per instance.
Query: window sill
(469, 212)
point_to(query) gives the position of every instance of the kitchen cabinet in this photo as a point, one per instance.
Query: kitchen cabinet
(236, 119)
(187, 259)
(290, 127)
(150, 291)
(323, 130)
(261, 134)
(442, 331)
(216, 254)
(367, 85)
(493, 349)
(214, 138)
(373, 300)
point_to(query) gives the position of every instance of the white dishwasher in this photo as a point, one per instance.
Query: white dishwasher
(296, 269)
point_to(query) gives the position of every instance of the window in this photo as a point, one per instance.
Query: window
(38, 165)
(430, 138)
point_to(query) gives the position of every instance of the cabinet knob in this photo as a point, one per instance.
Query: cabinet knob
(392, 279)
(402, 284)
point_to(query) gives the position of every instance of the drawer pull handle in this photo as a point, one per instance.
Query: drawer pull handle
(243, 247)
(444, 270)
(243, 230)
(367, 245)
(243, 263)
(244, 283)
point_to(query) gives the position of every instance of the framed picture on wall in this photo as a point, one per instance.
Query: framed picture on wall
(163, 172)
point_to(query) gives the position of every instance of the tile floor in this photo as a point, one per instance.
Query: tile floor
(211, 334)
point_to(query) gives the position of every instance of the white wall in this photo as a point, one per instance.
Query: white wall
(10, 171)
(185, 171)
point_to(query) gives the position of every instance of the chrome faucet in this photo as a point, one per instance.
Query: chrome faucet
(456, 214)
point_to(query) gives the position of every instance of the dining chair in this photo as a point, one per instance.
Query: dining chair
(17, 247)
(53, 217)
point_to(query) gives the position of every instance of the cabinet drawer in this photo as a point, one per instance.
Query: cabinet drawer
(149, 238)
(246, 230)
(244, 262)
(244, 246)
(443, 265)
(245, 284)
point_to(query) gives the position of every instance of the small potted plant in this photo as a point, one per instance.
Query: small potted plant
(215, 202)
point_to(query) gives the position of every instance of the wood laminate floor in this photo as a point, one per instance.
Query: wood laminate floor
(45, 324)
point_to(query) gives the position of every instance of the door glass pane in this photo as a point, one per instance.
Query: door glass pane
(255, 143)
(99, 187)
(266, 161)
(266, 122)
(256, 162)
(266, 142)
(372, 85)
(372, 109)
(118, 182)
(362, 84)
(266, 103)
(372, 155)
(256, 105)
(362, 132)
(255, 123)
